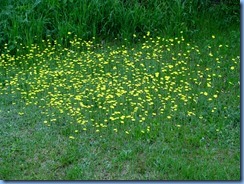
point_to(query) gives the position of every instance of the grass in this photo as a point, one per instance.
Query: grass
(28, 22)
(165, 108)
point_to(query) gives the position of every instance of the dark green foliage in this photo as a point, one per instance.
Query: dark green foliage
(29, 22)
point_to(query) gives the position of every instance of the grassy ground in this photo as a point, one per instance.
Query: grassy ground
(163, 109)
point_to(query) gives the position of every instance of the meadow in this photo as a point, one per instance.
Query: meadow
(163, 109)
(141, 106)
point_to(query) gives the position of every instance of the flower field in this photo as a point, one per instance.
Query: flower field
(161, 89)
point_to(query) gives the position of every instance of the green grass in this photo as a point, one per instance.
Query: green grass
(163, 109)
(29, 22)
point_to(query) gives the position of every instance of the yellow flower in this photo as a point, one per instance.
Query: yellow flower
(213, 36)
(232, 68)
(156, 74)
(122, 117)
(71, 137)
(21, 113)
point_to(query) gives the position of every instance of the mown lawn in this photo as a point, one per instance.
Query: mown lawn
(162, 109)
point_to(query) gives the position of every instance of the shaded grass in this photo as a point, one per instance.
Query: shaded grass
(45, 154)
(42, 153)
(161, 109)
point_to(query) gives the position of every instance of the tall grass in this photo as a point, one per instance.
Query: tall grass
(28, 22)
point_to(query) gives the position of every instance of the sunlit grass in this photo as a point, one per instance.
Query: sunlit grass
(137, 92)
